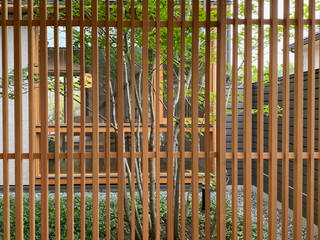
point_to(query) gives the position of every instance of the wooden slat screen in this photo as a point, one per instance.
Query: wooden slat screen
(137, 113)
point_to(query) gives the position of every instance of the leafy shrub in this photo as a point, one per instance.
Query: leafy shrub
(102, 217)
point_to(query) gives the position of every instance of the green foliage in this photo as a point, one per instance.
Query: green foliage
(25, 78)
(102, 217)
(63, 217)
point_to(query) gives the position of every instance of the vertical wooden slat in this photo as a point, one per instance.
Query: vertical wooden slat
(195, 115)
(95, 122)
(207, 123)
(120, 119)
(157, 133)
(31, 121)
(182, 121)
(235, 123)
(221, 125)
(44, 120)
(298, 122)
(83, 125)
(70, 162)
(311, 124)
(57, 119)
(170, 207)
(285, 123)
(260, 123)
(18, 121)
(213, 90)
(145, 121)
(273, 123)
(107, 124)
(132, 127)
(247, 138)
(5, 126)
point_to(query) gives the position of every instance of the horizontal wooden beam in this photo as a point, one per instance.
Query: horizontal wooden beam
(102, 179)
(152, 23)
(229, 155)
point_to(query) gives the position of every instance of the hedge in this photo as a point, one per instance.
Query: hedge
(102, 217)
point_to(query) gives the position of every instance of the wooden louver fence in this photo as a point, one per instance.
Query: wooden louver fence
(209, 18)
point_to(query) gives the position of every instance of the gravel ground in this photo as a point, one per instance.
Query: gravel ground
(265, 213)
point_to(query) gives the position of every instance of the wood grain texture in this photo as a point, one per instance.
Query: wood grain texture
(207, 123)
(120, 111)
(70, 143)
(170, 195)
(273, 122)
(235, 112)
(247, 120)
(95, 123)
(298, 122)
(108, 121)
(221, 118)
(311, 122)
(132, 123)
(182, 124)
(157, 131)
(145, 120)
(194, 121)
(285, 123)
(31, 37)
(5, 126)
(83, 126)
(260, 120)
(44, 121)
(57, 120)
(18, 121)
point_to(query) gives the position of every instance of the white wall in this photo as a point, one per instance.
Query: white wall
(24, 41)
(305, 56)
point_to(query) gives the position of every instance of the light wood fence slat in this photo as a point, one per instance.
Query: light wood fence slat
(247, 134)
(311, 122)
(70, 143)
(145, 120)
(157, 132)
(132, 123)
(298, 123)
(43, 60)
(207, 123)
(108, 120)
(83, 125)
(182, 123)
(57, 120)
(194, 121)
(260, 122)
(170, 150)
(273, 122)
(120, 120)
(221, 121)
(285, 123)
(5, 126)
(18, 122)
(235, 82)
(31, 36)
(95, 123)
